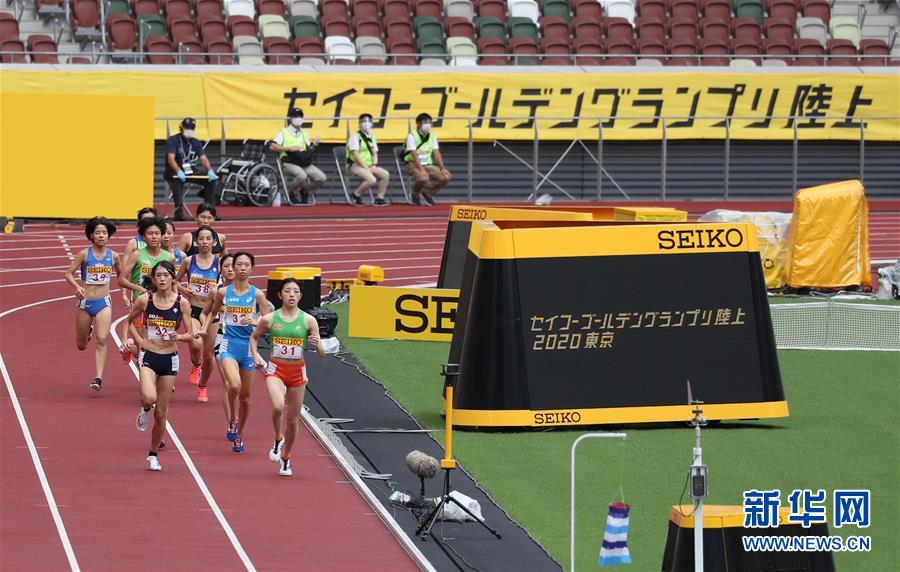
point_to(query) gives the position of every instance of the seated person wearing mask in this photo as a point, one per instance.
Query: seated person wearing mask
(183, 152)
(424, 162)
(362, 158)
(297, 154)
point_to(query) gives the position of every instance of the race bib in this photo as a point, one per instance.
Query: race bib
(201, 287)
(160, 329)
(287, 348)
(97, 274)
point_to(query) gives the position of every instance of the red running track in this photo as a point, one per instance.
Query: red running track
(116, 514)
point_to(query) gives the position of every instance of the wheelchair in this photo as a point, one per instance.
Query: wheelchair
(248, 179)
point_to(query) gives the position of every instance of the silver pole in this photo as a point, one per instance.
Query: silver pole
(470, 170)
(662, 166)
(535, 157)
(572, 485)
(862, 150)
(698, 507)
(599, 161)
(795, 152)
(727, 156)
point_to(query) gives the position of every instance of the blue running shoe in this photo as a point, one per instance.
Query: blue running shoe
(416, 201)
(231, 432)
(428, 199)
(238, 445)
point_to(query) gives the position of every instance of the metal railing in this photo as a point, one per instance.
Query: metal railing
(592, 149)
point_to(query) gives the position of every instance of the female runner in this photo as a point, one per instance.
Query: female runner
(138, 242)
(163, 312)
(206, 215)
(214, 329)
(241, 301)
(202, 270)
(168, 244)
(289, 327)
(92, 300)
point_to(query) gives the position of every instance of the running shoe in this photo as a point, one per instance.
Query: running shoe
(428, 199)
(95, 385)
(238, 446)
(380, 203)
(416, 201)
(231, 432)
(357, 200)
(284, 468)
(196, 373)
(275, 451)
(143, 420)
(202, 397)
(153, 463)
(304, 198)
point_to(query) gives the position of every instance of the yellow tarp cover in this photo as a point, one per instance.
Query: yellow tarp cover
(829, 238)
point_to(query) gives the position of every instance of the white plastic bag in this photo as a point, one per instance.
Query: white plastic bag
(452, 512)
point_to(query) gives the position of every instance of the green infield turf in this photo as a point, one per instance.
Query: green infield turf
(842, 433)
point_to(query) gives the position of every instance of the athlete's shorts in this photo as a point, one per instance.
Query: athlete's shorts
(195, 312)
(237, 349)
(217, 349)
(95, 306)
(291, 373)
(161, 364)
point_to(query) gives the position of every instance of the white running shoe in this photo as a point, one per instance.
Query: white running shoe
(153, 463)
(275, 451)
(143, 420)
(284, 468)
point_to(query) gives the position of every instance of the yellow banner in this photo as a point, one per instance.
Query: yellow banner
(402, 313)
(503, 105)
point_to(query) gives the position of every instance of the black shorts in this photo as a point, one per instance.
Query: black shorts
(160, 364)
(195, 312)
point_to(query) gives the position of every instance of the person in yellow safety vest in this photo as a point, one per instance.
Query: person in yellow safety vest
(362, 158)
(297, 154)
(424, 162)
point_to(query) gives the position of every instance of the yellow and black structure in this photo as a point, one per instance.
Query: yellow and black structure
(604, 324)
(310, 279)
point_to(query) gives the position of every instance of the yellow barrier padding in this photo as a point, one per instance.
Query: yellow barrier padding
(827, 105)
(829, 239)
(370, 273)
(402, 313)
(717, 516)
(98, 161)
(297, 272)
(660, 214)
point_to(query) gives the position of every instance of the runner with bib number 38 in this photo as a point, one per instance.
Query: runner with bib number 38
(289, 328)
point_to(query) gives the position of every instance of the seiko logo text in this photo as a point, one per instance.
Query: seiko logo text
(557, 418)
(471, 214)
(700, 238)
(413, 307)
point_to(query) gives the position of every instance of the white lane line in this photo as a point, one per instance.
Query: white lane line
(44, 268)
(201, 484)
(39, 468)
(65, 246)
(60, 280)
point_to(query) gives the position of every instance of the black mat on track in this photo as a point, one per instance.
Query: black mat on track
(339, 390)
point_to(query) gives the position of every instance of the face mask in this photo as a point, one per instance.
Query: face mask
(426, 128)
(297, 122)
(365, 127)
(188, 133)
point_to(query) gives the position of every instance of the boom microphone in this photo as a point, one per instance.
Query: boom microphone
(422, 465)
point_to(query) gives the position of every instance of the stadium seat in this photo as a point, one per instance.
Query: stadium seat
(213, 30)
(749, 9)
(173, 9)
(558, 8)
(556, 52)
(85, 19)
(278, 51)
(42, 49)
(463, 52)
(525, 9)
(620, 9)
(786, 9)
(367, 26)
(820, 9)
(773, 64)
(371, 51)
(221, 52)
(272, 26)
(589, 52)
(160, 50)
(682, 52)
(305, 26)
(714, 51)
(554, 27)
(398, 28)
(433, 8)
(122, 32)
(720, 9)
(779, 29)
(844, 28)
(457, 26)
(396, 9)
(841, 53)
(587, 29)
(460, 9)
(332, 9)
(652, 9)
(746, 29)
(776, 48)
(248, 46)
(146, 7)
(304, 8)
(398, 46)
(746, 49)
(242, 26)
(151, 25)
(493, 52)
(17, 47)
(182, 29)
(682, 29)
(340, 49)
(589, 9)
(240, 8)
(877, 52)
(432, 51)
(523, 27)
(190, 53)
(490, 27)
(714, 29)
(492, 9)
(809, 53)
(311, 50)
(652, 48)
(336, 27)
(525, 50)
(812, 29)
(428, 27)
(618, 29)
(742, 63)
(272, 8)
(650, 28)
(620, 52)
(209, 9)
(685, 9)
